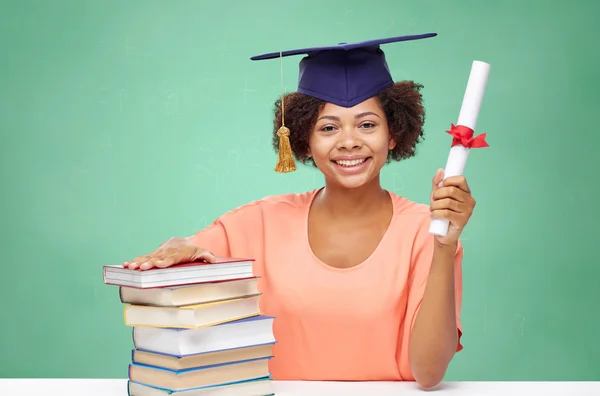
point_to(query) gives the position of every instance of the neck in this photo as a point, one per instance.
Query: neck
(357, 201)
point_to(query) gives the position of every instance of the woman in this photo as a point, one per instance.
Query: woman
(360, 289)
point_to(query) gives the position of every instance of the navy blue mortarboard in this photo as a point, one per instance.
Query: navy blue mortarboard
(343, 74)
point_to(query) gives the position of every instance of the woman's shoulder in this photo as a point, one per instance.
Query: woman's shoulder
(412, 217)
(408, 208)
(272, 205)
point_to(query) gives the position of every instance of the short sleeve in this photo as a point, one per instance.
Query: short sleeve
(213, 238)
(237, 233)
(242, 233)
(421, 265)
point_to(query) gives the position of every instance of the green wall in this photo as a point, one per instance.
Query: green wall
(127, 122)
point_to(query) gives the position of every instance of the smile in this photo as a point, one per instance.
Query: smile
(350, 163)
(352, 166)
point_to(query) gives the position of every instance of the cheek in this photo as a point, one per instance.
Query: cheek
(317, 149)
(380, 144)
(319, 157)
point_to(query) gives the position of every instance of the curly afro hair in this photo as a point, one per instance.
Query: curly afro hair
(402, 104)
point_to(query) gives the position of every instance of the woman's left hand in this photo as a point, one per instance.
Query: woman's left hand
(451, 200)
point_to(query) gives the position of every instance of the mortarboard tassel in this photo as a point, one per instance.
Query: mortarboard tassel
(286, 157)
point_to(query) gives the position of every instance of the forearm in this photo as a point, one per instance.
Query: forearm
(434, 336)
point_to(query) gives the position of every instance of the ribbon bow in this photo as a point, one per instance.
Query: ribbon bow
(464, 136)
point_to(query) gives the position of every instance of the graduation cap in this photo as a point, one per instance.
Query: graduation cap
(342, 74)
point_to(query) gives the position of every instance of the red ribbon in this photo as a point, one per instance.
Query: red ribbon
(464, 136)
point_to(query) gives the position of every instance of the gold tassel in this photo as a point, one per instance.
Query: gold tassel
(286, 157)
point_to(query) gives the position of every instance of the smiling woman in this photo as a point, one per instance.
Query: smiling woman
(360, 289)
(389, 125)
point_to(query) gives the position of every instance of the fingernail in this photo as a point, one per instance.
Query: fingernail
(441, 184)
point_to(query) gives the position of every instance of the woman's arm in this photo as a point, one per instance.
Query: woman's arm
(434, 336)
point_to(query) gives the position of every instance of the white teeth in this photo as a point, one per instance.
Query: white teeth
(350, 162)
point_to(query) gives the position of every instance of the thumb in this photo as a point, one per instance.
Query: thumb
(437, 179)
(205, 255)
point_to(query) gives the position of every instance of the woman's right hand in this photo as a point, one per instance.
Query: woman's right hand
(174, 251)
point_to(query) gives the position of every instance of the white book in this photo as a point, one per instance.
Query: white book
(241, 333)
(225, 268)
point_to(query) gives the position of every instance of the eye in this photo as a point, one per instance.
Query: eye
(328, 128)
(367, 125)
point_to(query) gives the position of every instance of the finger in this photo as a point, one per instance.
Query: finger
(437, 179)
(449, 204)
(150, 263)
(436, 182)
(451, 192)
(126, 264)
(205, 255)
(165, 257)
(168, 261)
(136, 262)
(457, 181)
(457, 219)
(179, 256)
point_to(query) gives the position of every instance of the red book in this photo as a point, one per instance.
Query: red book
(224, 269)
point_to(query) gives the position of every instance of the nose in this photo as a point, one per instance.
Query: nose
(349, 139)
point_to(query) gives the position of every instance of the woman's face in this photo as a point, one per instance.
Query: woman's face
(350, 145)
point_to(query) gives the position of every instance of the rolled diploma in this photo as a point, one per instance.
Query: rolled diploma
(469, 111)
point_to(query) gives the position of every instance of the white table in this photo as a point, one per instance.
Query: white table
(117, 387)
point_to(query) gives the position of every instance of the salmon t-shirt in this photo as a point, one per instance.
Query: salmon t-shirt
(330, 323)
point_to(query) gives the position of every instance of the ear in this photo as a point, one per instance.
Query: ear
(391, 144)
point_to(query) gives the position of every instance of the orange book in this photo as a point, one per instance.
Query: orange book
(177, 296)
(192, 316)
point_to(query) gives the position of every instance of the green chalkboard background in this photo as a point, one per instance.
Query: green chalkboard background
(127, 122)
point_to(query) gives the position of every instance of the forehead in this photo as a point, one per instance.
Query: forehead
(371, 104)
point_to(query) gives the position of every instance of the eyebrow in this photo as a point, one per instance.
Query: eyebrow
(366, 113)
(359, 115)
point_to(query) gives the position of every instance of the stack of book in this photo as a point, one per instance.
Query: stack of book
(197, 329)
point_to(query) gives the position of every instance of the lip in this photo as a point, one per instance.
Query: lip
(349, 157)
(352, 170)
